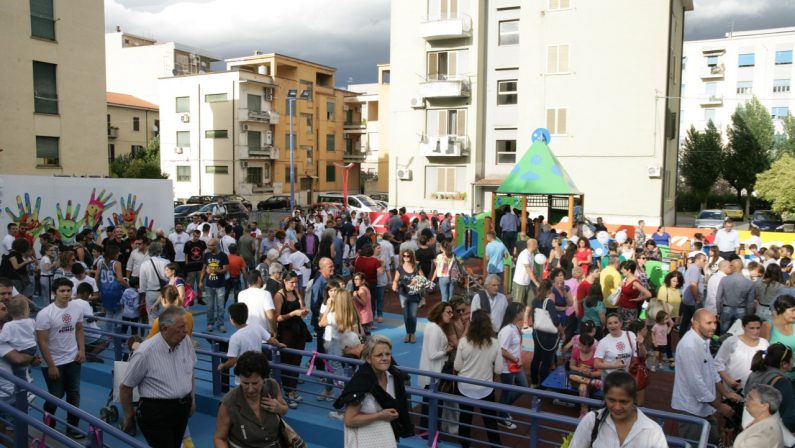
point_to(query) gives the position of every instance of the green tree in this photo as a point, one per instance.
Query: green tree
(141, 165)
(700, 161)
(748, 151)
(784, 143)
(777, 185)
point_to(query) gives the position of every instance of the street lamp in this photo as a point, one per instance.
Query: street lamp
(291, 99)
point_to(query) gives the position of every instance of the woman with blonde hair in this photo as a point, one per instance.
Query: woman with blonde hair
(169, 296)
(338, 315)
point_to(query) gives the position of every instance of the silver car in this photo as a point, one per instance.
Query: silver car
(711, 218)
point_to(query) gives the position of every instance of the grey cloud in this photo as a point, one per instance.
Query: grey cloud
(712, 19)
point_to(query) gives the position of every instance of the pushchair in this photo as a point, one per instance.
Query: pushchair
(110, 412)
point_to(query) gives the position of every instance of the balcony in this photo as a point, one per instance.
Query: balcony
(261, 186)
(354, 128)
(451, 28)
(257, 116)
(445, 86)
(258, 152)
(712, 101)
(113, 132)
(355, 154)
(444, 146)
(714, 72)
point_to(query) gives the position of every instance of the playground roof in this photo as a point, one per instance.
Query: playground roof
(538, 172)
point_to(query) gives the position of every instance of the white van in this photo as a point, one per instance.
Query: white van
(356, 202)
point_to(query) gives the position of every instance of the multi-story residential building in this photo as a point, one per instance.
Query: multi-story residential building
(53, 116)
(134, 63)
(490, 73)
(132, 124)
(229, 132)
(366, 130)
(720, 74)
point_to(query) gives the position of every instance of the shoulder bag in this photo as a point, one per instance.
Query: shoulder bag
(612, 299)
(542, 320)
(163, 282)
(637, 368)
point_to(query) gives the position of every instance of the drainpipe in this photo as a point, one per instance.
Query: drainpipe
(198, 122)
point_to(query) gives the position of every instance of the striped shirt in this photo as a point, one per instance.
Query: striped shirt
(160, 372)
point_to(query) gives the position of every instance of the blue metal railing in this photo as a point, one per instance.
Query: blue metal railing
(533, 418)
(23, 420)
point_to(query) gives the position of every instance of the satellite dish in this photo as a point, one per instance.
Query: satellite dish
(541, 134)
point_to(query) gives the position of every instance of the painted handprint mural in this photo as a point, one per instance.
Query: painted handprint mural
(70, 205)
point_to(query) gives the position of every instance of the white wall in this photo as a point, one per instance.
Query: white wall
(135, 70)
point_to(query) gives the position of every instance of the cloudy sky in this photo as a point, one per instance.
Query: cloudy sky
(353, 35)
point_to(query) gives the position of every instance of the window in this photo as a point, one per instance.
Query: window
(331, 173)
(445, 179)
(183, 104)
(136, 124)
(254, 175)
(448, 9)
(781, 85)
(330, 110)
(45, 90)
(156, 129)
(216, 133)
(254, 103)
(217, 169)
(443, 65)
(111, 152)
(779, 112)
(47, 151)
(287, 173)
(709, 115)
(712, 61)
(711, 89)
(556, 121)
(183, 173)
(784, 57)
(254, 140)
(443, 122)
(330, 140)
(385, 76)
(746, 60)
(136, 149)
(558, 58)
(509, 32)
(183, 139)
(744, 87)
(555, 5)
(307, 119)
(42, 19)
(506, 151)
(214, 97)
(507, 92)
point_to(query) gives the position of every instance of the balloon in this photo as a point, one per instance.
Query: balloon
(603, 237)
(621, 236)
(540, 259)
(599, 252)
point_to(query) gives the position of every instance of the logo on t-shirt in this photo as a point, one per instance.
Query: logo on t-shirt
(196, 253)
(620, 346)
(66, 318)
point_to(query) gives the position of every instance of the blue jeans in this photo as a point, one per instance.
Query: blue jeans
(378, 301)
(215, 298)
(68, 382)
(512, 379)
(233, 288)
(446, 288)
(728, 315)
(410, 313)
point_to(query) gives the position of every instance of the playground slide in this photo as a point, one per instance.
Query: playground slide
(463, 252)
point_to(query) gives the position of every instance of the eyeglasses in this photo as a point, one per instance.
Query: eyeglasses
(448, 312)
(460, 310)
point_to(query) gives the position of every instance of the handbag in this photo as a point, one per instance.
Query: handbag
(638, 369)
(447, 386)
(542, 321)
(288, 436)
(159, 279)
(612, 299)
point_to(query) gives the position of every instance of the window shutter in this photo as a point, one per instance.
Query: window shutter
(433, 66)
(461, 118)
(442, 122)
(561, 123)
(452, 60)
(552, 59)
(563, 58)
(450, 185)
(551, 121)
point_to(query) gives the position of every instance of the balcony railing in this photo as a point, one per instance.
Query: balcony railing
(113, 132)
(259, 116)
(355, 154)
(445, 86)
(446, 28)
(712, 100)
(258, 152)
(444, 146)
(713, 72)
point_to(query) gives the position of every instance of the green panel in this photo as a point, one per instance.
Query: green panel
(514, 201)
(538, 172)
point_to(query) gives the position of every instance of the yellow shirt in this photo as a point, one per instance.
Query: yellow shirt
(610, 279)
(156, 327)
(674, 298)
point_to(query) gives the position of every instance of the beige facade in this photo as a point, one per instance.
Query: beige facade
(132, 124)
(53, 116)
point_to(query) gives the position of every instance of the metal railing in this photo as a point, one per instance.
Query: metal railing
(315, 380)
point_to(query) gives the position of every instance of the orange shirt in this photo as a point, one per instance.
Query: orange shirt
(156, 326)
(236, 265)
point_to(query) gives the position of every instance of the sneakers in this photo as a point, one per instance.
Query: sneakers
(292, 404)
(74, 434)
(325, 395)
(336, 415)
(507, 424)
(210, 328)
(222, 329)
(187, 442)
(295, 397)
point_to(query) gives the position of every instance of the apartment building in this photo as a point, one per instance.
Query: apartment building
(720, 74)
(367, 131)
(53, 117)
(475, 79)
(135, 63)
(229, 132)
(132, 124)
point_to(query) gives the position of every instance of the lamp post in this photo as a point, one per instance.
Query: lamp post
(291, 99)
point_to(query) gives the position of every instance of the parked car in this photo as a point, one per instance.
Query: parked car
(712, 218)
(379, 196)
(206, 199)
(274, 203)
(182, 212)
(234, 209)
(356, 202)
(767, 220)
(196, 199)
(734, 211)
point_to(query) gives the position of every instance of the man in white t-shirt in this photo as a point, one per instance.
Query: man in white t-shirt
(728, 240)
(247, 337)
(261, 310)
(80, 277)
(8, 240)
(525, 280)
(59, 331)
(178, 238)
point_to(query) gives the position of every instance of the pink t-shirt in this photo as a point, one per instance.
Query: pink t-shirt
(583, 363)
(659, 335)
(365, 311)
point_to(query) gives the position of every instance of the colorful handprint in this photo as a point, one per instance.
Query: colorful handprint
(148, 225)
(28, 218)
(96, 207)
(129, 213)
(68, 224)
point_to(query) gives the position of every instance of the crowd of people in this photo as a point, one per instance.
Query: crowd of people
(726, 314)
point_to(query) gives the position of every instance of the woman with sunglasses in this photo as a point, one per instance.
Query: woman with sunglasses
(406, 276)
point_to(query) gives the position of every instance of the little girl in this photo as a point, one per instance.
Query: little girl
(659, 337)
(583, 373)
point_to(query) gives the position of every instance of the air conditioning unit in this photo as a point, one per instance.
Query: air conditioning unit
(243, 164)
(244, 127)
(178, 150)
(185, 118)
(404, 174)
(418, 102)
(268, 137)
(654, 171)
(268, 94)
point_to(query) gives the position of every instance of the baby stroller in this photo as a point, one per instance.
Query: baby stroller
(110, 413)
